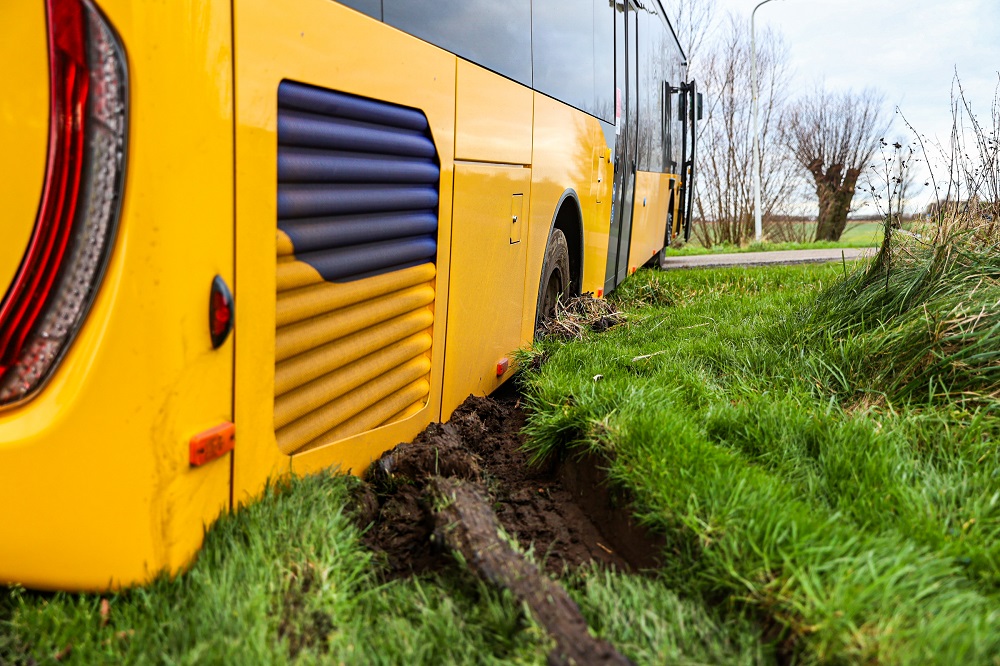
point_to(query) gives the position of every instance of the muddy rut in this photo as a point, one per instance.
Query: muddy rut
(457, 483)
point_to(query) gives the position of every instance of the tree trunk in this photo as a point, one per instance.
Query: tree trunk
(835, 195)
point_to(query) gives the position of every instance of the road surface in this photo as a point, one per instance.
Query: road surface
(765, 258)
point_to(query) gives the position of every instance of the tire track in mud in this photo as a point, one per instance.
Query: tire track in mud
(457, 483)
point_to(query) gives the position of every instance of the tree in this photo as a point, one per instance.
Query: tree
(724, 197)
(833, 137)
(694, 21)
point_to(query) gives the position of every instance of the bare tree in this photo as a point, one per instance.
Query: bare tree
(966, 172)
(724, 198)
(694, 21)
(833, 137)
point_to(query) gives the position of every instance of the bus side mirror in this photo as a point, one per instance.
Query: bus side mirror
(699, 106)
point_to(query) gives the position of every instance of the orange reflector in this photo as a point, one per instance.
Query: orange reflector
(502, 366)
(213, 443)
(633, 269)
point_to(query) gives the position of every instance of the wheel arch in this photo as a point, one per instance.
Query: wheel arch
(568, 218)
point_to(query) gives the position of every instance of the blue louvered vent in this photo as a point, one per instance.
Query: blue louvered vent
(356, 266)
(357, 183)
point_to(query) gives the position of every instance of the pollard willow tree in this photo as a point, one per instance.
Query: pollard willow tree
(834, 136)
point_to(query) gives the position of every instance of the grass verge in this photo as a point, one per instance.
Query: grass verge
(287, 580)
(856, 524)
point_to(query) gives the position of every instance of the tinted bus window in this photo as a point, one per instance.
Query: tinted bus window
(604, 60)
(371, 7)
(573, 53)
(653, 69)
(497, 35)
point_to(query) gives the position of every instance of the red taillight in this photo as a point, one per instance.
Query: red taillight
(78, 213)
(220, 312)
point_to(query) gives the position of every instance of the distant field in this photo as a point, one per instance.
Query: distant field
(860, 234)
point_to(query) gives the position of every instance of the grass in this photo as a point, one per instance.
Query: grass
(288, 580)
(862, 234)
(816, 444)
(765, 422)
(284, 580)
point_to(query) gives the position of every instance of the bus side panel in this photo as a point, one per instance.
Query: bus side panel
(487, 279)
(493, 117)
(649, 217)
(492, 190)
(566, 154)
(95, 481)
(322, 44)
(596, 229)
(24, 127)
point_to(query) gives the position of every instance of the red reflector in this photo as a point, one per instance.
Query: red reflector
(502, 366)
(633, 269)
(220, 312)
(600, 293)
(211, 444)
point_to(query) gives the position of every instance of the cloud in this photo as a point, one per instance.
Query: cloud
(910, 50)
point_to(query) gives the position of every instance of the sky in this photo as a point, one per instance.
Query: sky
(907, 48)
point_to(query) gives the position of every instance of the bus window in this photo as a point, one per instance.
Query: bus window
(573, 53)
(652, 71)
(492, 34)
(604, 60)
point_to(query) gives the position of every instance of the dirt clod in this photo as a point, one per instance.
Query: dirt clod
(301, 627)
(480, 443)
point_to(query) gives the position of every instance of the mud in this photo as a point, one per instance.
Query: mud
(560, 511)
(466, 523)
(460, 485)
(301, 627)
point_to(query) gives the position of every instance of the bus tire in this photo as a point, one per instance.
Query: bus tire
(555, 282)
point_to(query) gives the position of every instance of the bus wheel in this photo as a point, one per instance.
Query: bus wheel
(555, 283)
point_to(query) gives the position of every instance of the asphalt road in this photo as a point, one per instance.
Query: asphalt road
(765, 258)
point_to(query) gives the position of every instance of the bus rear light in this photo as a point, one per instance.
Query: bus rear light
(74, 232)
(220, 312)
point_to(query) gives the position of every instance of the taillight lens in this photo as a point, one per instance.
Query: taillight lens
(220, 312)
(74, 232)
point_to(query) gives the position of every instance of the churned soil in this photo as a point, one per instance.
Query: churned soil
(460, 485)
(561, 510)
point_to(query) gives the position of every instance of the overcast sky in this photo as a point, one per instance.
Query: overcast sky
(907, 48)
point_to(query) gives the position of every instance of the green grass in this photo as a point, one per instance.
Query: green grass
(287, 580)
(286, 577)
(817, 445)
(790, 481)
(861, 234)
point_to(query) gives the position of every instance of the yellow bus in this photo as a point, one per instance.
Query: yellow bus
(249, 239)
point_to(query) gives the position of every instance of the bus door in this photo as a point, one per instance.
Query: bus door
(627, 96)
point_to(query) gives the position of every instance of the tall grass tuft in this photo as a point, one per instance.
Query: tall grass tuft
(923, 318)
